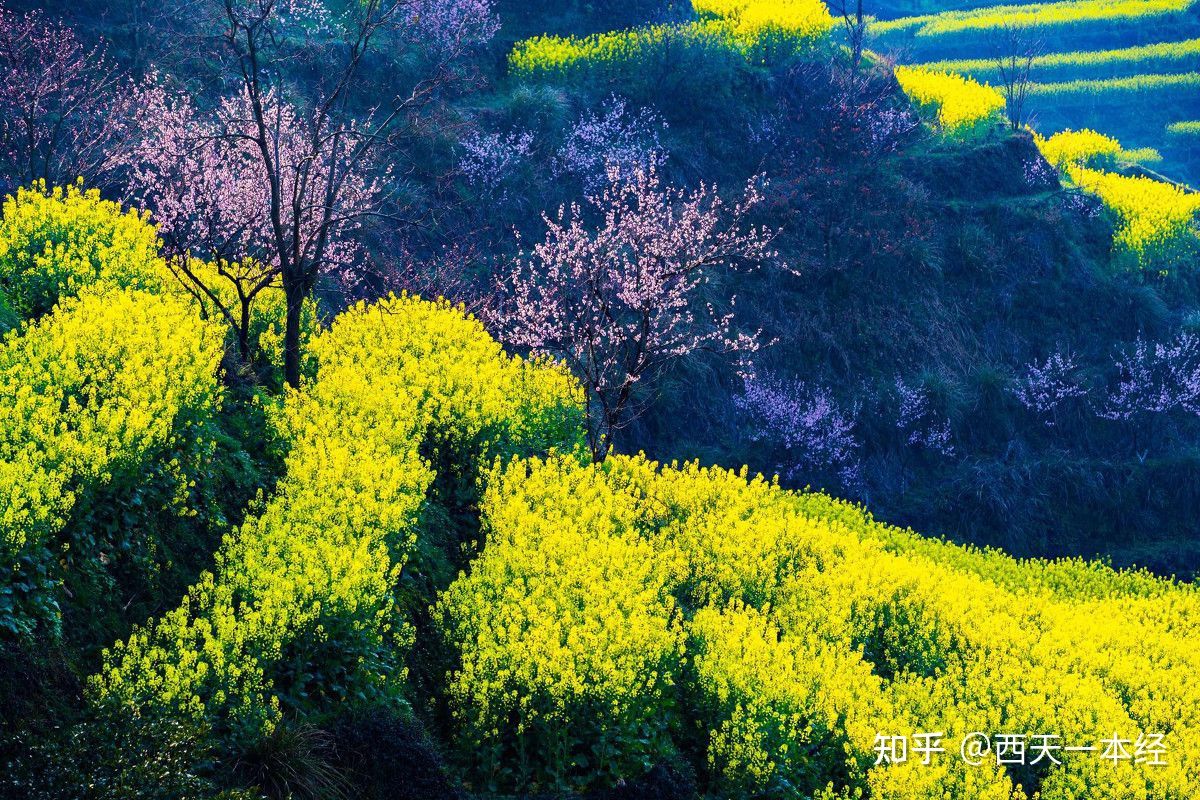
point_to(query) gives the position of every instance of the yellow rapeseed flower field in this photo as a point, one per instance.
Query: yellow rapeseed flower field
(621, 599)
(616, 609)
(961, 107)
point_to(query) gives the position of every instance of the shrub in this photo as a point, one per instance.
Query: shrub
(55, 241)
(569, 641)
(92, 395)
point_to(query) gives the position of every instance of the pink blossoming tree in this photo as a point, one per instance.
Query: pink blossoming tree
(276, 181)
(616, 136)
(918, 421)
(59, 101)
(623, 300)
(211, 189)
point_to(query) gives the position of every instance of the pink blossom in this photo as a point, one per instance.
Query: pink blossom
(1157, 379)
(621, 301)
(918, 420)
(614, 137)
(888, 129)
(448, 27)
(60, 102)
(1043, 387)
(804, 420)
(204, 179)
(489, 159)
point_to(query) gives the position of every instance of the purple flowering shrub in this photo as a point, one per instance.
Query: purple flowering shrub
(1043, 387)
(802, 420)
(615, 137)
(917, 420)
(1156, 379)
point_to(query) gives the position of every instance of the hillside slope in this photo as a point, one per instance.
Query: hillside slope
(959, 359)
(621, 619)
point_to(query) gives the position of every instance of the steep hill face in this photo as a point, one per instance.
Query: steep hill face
(1131, 71)
(928, 281)
(996, 269)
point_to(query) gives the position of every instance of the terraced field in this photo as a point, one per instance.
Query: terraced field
(1128, 68)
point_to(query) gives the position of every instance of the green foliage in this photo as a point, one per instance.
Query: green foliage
(100, 758)
(8, 317)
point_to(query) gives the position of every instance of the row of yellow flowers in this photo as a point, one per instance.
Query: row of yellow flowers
(1033, 15)
(106, 377)
(309, 579)
(1156, 220)
(747, 26)
(1143, 58)
(623, 608)
(961, 107)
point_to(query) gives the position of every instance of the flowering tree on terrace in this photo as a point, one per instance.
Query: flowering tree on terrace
(57, 100)
(275, 184)
(1044, 387)
(211, 191)
(622, 301)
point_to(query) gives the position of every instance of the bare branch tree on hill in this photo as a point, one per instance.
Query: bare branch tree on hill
(1016, 52)
(854, 22)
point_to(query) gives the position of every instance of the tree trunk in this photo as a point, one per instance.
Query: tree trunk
(244, 332)
(296, 292)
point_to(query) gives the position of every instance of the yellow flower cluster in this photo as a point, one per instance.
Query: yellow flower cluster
(1082, 148)
(962, 107)
(300, 602)
(1157, 219)
(575, 643)
(753, 20)
(101, 384)
(56, 241)
(1033, 15)
(110, 377)
(559, 55)
(1186, 128)
(746, 26)
(808, 630)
